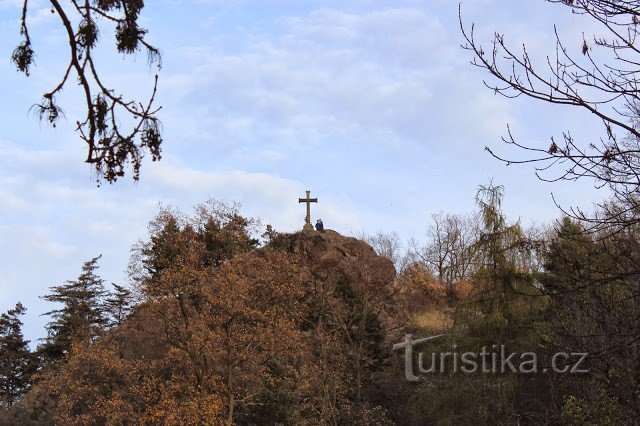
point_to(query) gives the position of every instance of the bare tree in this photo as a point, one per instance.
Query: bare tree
(450, 248)
(600, 76)
(387, 245)
(110, 147)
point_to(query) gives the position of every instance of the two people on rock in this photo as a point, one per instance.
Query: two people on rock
(319, 225)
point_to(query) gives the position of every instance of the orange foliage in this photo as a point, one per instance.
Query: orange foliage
(462, 289)
(232, 344)
(419, 288)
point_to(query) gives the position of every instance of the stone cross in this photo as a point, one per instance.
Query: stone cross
(307, 222)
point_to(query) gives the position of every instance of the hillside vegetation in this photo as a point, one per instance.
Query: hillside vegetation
(220, 327)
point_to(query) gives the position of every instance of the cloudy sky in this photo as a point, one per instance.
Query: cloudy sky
(370, 104)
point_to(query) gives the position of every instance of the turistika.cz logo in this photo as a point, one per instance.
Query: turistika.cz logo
(495, 360)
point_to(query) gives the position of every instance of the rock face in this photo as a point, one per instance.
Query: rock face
(327, 253)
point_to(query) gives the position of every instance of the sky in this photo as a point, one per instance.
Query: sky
(372, 105)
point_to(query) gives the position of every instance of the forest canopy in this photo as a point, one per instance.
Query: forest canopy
(221, 324)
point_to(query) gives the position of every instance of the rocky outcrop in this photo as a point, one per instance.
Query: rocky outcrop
(328, 252)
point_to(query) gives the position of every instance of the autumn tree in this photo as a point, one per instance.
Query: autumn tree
(350, 301)
(206, 275)
(254, 309)
(418, 288)
(210, 307)
(129, 375)
(111, 146)
(242, 350)
(81, 316)
(16, 360)
(230, 350)
(231, 333)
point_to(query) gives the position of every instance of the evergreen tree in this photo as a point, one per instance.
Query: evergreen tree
(16, 364)
(505, 293)
(118, 304)
(592, 282)
(82, 315)
(216, 233)
(498, 247)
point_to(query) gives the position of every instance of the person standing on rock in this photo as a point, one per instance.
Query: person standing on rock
(319, 225)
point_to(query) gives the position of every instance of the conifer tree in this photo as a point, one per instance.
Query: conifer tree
(118, 304)
(569, 259)
(500, 245)
(82, 315)
(216, 233)
(505, 298)
(16, 364)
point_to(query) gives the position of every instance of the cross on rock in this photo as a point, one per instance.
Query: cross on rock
(307, 222)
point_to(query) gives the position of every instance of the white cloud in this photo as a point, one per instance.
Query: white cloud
(374, 109)
(50, 224)
(334, 75)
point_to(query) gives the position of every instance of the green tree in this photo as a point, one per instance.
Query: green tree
(503, 250)
(592, 283)
(118, 304)
(16, 360)
(214, 234)
(505, 307)
(82, 315)
(592, 278)
(567, 256)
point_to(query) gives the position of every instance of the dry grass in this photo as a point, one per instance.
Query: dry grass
(434, 320)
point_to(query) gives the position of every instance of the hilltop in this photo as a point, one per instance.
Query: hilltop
(288, 333)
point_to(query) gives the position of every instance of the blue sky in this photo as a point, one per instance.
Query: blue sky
(370, 104)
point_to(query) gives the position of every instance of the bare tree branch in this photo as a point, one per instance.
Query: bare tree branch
(606, 84)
